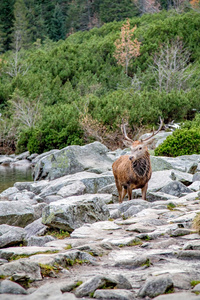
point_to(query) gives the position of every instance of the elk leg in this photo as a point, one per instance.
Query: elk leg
(144, 191)
(119, 188)
(129, 193)
(124, 192)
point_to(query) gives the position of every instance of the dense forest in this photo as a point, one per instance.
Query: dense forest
(71, 70)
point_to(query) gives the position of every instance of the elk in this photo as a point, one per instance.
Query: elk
(134, 171)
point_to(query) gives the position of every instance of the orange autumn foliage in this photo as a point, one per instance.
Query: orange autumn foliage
(126, 47)
(195, 4)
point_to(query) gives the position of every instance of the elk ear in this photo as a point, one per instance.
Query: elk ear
(127, 143)
(149, 142)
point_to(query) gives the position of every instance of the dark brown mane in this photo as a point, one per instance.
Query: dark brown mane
(141, 166)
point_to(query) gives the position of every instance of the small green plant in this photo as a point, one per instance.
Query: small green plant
(146, 237)
(58, 233)
(196, 292)
(169, 290)
(68, 247)
(194, 282)
(91, 294)
(71, 262)
(78, 283)
(147, 263)
(109, 285)
(135, 243)
(25, 283)
(171, 206)
(16, 257)
(48, 270)
(196, 223)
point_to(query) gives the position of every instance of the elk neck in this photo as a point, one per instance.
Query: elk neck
(141, 166)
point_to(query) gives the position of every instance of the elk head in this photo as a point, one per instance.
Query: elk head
(139, 148)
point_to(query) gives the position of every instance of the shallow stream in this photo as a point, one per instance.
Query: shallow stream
(10, 175)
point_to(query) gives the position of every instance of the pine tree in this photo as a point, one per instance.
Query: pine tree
(6, 22)
(58, 30)
(2, 39)
(117, 10)
(20, 29)
(36, 22)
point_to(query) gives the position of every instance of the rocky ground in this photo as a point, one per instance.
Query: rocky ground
(134, 250)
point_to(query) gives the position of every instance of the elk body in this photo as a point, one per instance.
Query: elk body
(134, 171)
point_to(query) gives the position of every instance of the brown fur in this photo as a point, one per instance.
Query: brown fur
(126, 178)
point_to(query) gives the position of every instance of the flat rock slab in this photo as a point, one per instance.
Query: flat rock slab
(140, 228)
(97, 231)
(118, 294)
(192, 245)
(8, 253)
(178, 296)
(137, 257)
(127, 259)
(123, 241)
(83, 181)
(45, 259)
(73, 212)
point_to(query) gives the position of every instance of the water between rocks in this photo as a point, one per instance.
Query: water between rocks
(10, 175)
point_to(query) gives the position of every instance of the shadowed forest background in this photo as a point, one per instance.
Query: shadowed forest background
(61, 82)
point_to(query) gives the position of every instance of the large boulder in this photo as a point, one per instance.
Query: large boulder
(175, 188)
(77, 184)
(10, 287)
(10, 235)
(184, 163)
(16, 213)
(155, 286)
(159, 164)
(21, 270)
(73, 212)
(73, 159)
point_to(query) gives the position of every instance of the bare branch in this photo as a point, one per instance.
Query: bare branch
(154, 133)
(171, 67)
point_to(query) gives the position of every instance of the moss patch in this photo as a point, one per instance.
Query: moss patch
(71, 262)
(48, 270)
(147, 263)
(16, 257)
(171, 206)
(58, 233)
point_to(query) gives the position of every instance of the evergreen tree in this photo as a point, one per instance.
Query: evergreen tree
(117, 10)
(36, 22)
(58, 31)
(20, 37)
(2, 39)
(6, 22)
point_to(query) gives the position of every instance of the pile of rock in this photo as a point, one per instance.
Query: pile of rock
(132, 250)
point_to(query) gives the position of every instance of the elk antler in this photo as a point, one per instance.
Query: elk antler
(154, 133)
(123, 129)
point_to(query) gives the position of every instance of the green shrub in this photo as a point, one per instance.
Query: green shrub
(181, 142)
(58, 128)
